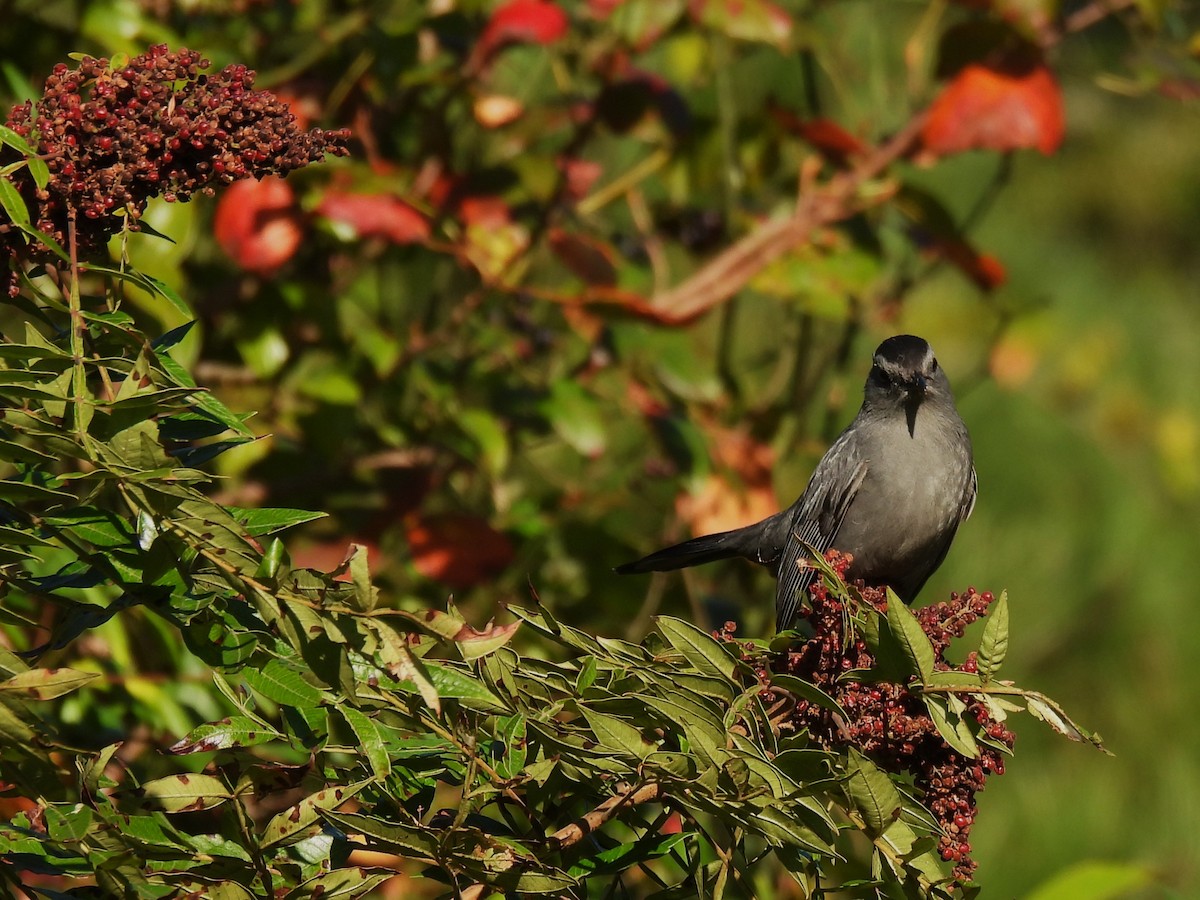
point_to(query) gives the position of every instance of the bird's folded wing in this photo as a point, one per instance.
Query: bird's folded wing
(819, 514)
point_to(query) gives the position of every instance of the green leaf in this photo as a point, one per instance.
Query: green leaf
(511, 733)
(798, 687)
(294, 823)
(912, 638)
(370, 739)
(871, 792)
(993, 646)
(405, 840)
(955, 729)
(14, 140)
(66, 823)
(46, 684)
(234, 731)
(575, 417)
(280, 682)
(268, 520)
(452, 682)
(617, 734)
(366, 595)
(338, 883)
(617, 859)
(181, 793)
(13, 203)
(705, 653)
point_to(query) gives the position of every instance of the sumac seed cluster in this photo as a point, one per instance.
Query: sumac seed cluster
(889, 723)
(114, 136)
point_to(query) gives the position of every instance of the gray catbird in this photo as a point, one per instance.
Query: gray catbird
(891, 491)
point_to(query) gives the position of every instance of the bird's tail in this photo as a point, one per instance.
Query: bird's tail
(710, 547)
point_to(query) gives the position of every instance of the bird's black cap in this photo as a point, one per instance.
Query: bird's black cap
(905, 352)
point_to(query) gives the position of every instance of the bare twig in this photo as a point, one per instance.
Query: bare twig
(572, 834)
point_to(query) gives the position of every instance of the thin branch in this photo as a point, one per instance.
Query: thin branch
(572, 834)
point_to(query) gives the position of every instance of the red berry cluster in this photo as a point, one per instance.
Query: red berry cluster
(115, 136)
(886, 721)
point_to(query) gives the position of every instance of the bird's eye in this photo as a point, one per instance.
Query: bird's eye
(933, 367)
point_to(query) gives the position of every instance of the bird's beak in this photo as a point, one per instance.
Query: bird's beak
(914, 398)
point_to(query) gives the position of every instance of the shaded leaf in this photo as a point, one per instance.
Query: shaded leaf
(911, 637)
(46, 684)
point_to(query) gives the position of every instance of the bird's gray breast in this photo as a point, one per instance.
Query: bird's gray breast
(911, 500)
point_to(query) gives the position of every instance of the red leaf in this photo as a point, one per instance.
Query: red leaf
(986, 271)
(257, 224)
(375, 215)
(1011, 105)
(458, 550)
(833, 141)
(580, 176)
(721, 503)
(523, 21)
(487, 212)
(329, 555)
(589, 259)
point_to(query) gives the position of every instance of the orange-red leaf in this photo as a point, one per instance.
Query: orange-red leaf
(257, 224)
(523, 21)
(985, 270)
(833, 141)
(1007, 106)
(457, 549)
(720, 504)
(375, 215)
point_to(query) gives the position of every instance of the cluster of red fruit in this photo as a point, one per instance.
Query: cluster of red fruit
(888, 722)
(113, 136)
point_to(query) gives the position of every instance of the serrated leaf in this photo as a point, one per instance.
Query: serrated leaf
(294, 822)
(370, 739)
(587, 675)
(261, 522)
(699, 648)
(511, 733)
(451, 682)
(12, 203)
(912, 638)
(473, 644)
(92, 772)
(798, 687)
(338, 883)
(954, 728)
(366, 595)
(279, 682)
(46, 684)
(181, 793)
(65, 823)
(993, 646)
(14, 140)
(871, 792)
(617, 859)
(617, 734)
(406, 840)
(234, 731)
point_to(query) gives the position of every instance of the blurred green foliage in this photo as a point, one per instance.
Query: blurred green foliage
(466, 379)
